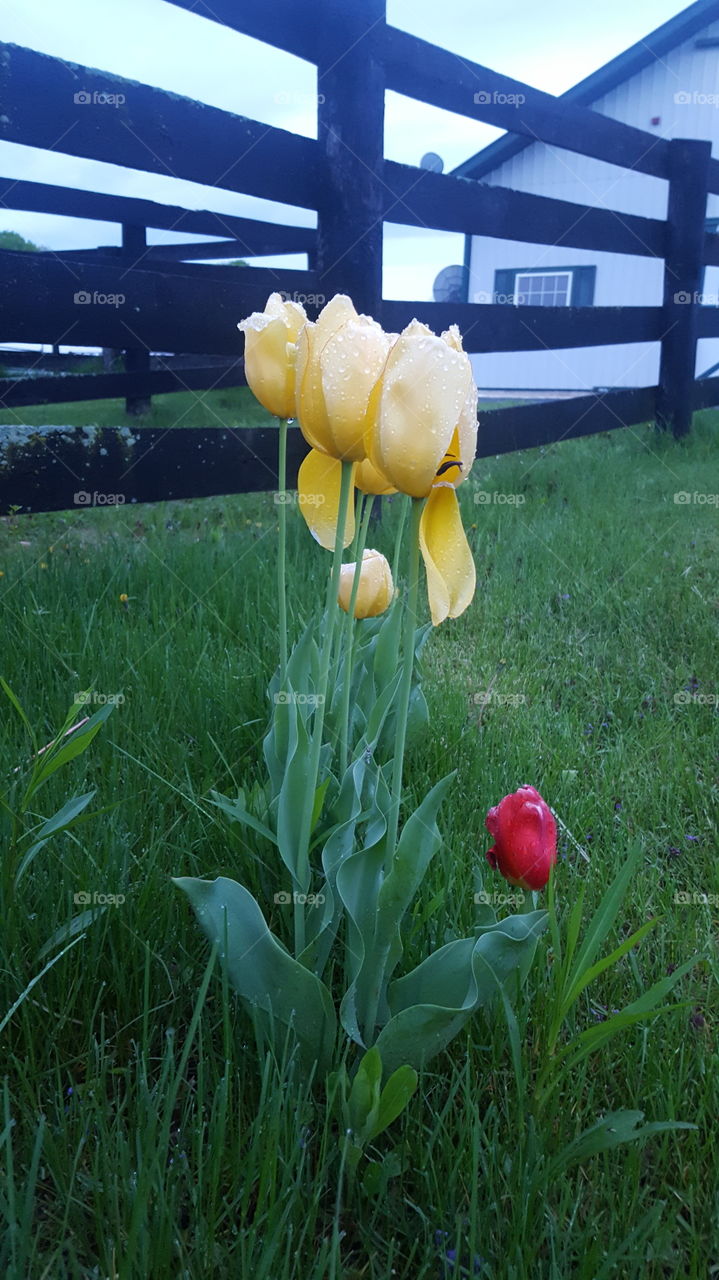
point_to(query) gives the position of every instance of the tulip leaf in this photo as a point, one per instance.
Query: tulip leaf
(431, 1004)
(236, 812)
(262, 971)
(292, 799)
(393, 1099)
(418, 843)
(611, 1131)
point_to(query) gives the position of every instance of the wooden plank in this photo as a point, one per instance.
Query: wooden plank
(711, 249)
(281, 23)
(421, 70)
(254, 236)
(81, 111)
(159, 311)
(510, 328)
(350, 120)
(17, 392)
(417, 197)
(57, 469)
(528, 426)
(706, 393)
(683, 274)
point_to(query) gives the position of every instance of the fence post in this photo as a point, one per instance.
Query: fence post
(683, 274)
(350, 127)
(136, 359)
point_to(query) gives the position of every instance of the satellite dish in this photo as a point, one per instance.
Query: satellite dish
(451, 284)
(432, 161)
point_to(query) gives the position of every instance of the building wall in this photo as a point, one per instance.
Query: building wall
(691, 76)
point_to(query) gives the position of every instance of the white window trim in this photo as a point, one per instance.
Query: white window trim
(529, 275)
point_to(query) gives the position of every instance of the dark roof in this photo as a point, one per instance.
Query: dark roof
(627, 64)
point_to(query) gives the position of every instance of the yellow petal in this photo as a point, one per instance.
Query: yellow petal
(351, 361)
(311, 407)
(270, 353)
(370, 480)
(451, 575)
(318, 486)
(416, 408)
(376, 589)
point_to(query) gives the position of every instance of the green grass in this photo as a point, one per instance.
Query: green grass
(129, 1149)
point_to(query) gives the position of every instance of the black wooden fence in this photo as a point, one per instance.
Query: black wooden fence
(170, 304)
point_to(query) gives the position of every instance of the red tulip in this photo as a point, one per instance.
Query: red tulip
(525, 838)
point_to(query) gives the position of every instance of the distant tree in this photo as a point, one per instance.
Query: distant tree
(237, 262)
(12, 240)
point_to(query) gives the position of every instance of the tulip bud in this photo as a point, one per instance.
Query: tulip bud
(525, 838)
(271, 353)
(376, 589)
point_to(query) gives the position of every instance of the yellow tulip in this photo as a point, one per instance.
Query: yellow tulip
(421, 434)
(370, 480)
(376, 589)
(318, 488)
(339, 359)
(271, 351)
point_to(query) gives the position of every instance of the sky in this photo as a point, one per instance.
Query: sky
(550, 46)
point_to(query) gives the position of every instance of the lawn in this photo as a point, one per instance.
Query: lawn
(136, 1143)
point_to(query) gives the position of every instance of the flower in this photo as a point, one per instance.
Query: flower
(271, 352)
(376, 588)
(421, 434)
(123, 598)
(339, 360)
(525, 838)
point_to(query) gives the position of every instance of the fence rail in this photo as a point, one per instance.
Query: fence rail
(174, 303)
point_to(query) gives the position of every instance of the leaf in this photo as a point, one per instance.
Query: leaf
(61, 821)
(431, 1004)
(605, 916)
(237, 813)
(292, 798)
(611, 1131)
(262, 971)
(71, 929)
(18, 707)
(418, 843)
(61, 753)
(394, 1098)
(582, 980)
(364, 1095)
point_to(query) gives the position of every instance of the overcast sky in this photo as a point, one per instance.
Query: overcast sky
(550, 45)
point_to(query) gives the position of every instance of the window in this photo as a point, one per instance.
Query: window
(545, 286)
(532, 289)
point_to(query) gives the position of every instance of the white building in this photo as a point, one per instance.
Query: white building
(667, 85)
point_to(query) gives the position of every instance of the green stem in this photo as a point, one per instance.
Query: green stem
(405, 689)
(404, 507)
(331, 612)
(349, 634)
(281, 575)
